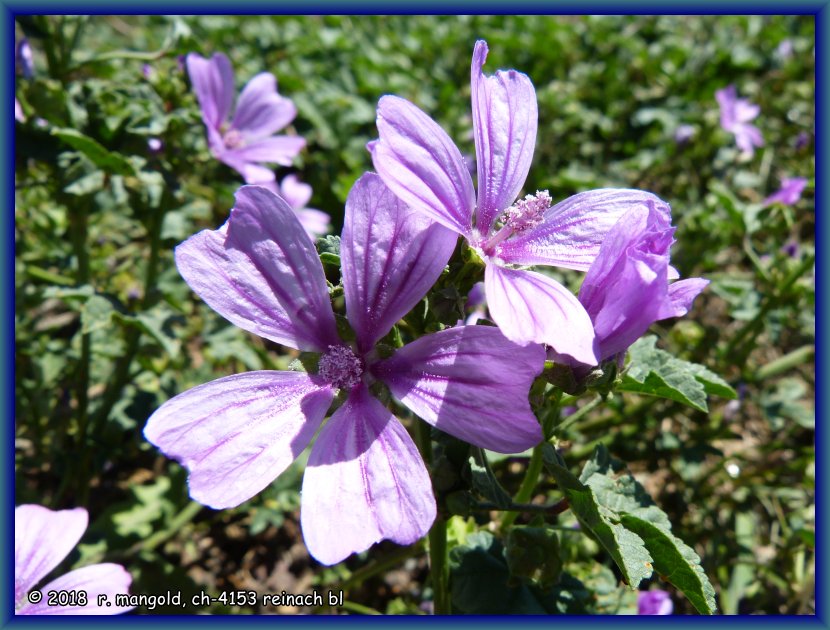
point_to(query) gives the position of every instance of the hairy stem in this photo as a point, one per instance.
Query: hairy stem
(526, 488)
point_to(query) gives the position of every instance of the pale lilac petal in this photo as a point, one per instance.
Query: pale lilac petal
(295, 192)
(504, 121)
(726, 100)
(365, 482)
(251, 172)
(574, 229)
(260, 110)
(261, 272)
(531, 308)
(277, 149)
(747, 137)
(654, 602)
(745, 111)
(470, 382)
(790, 191)
(214, 86)
(42, 539)
(315, 222)
(421, 165)
(97, 579)
(235, 435)
(19, 116)
(390, 257)
(681, 296)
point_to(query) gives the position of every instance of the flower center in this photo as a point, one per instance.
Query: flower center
(527, 213)
(341, 367)
(233, 139)
(522, 216)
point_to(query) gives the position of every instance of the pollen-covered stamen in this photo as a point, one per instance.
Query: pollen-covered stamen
(527, 213)
(341, 367)
(233, 139)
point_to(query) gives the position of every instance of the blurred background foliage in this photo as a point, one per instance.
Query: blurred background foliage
(112, 171)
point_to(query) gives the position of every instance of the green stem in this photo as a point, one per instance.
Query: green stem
(78, 222)
(438, 553)
(580, 413)
(382, 565)
(526, 488)
(514, 508)
(787, 362)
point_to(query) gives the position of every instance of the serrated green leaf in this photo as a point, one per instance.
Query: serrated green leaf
(674, 560)
(626, 548)
(654, 372)
(533, 552)
(617, 490)
(100, 156)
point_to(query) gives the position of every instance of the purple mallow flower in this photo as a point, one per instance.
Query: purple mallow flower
(298, 194)
(627, 287)
(655, 602)
(246, 139)
(42, 539)
(365, 480)
(735, 114)
(424, 168)
(789, 193)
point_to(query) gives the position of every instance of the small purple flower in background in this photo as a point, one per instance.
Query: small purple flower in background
(791, 248)
(784, 50)
(298, 194)
(155, 145)
(24, 58)
(627, 287)
(42, 539)
(424, 168)
(684, 133)
(802, 140)
(365, 480)
(246, 139)
(19, 116)
(789, 193)
(735, 114)
(655, 602)
(148, 72)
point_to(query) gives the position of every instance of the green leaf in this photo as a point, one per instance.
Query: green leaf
(484, 481)
(96, 314)
(626, 548)
(617, 490)
(655, 372)
(329, 249)
(533, 552)
(101, 157)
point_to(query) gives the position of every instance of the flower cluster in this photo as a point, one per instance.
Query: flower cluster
(365, 480)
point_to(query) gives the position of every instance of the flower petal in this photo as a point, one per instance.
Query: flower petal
(251, 172)
(391, 257)
(530, 307)
(42, 539)
(260, 110)
(316, 222)
(261, 272)
(236, 434)
(504, 121)
(97, 579)
(295, 192)
(573, 229)
(421, 165)
(681, 296)
(278, 149)
(365, 482)
(214, 86)
(470, 382)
